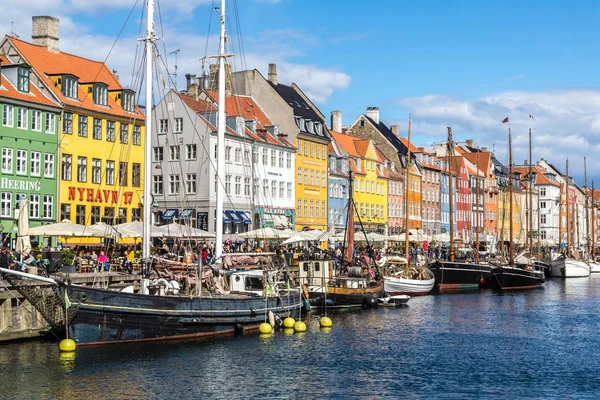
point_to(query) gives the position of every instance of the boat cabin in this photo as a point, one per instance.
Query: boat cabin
(249, 281)
(315, 274)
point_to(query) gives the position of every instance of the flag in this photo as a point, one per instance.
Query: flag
(67, 301)
(505, 120)
(531, 116)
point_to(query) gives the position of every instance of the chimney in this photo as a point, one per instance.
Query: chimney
(373, 113)
(395, 129)
(272, 77)
(470, 142)
(45, 32)
(192, 86)
(336, 121)
(214, 78)
(484, 149)
(115, 74)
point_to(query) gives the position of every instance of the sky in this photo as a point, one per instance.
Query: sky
(464, 64)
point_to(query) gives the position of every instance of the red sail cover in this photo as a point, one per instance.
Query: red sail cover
(350, 233)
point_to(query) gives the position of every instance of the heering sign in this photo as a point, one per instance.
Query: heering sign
(98, 195)
(19, 184)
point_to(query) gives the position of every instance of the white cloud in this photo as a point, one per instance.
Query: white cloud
(567, 123)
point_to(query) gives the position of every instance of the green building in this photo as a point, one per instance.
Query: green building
(29, 118)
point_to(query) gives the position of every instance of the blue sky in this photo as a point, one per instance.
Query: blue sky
(465, 64)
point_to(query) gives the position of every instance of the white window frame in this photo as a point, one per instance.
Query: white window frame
(8, 115)
(21, 165)
(7, 160)
(50, 123)
(34, 206)
(22, 117)
(35, 163)
(48, 206)
(36, 120)
(6, 204)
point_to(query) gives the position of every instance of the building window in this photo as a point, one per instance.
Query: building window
(136, 174)
(190, 151)
(312, 177)
(66, 167)
(163, 126)
(95, 215)
(238, 155)
(273, 189)
(96, 170)
(34, 206)
(178, 125)
(110, 172)
(174, 184)
(127, 102)
(8, 118)
(299, 180)
(83, 126)
(246, 156)
(543, 219)
(157, 154)
(122, 216)
(266, 188)
(65, 211)
(123, 166)
(542, 191)
(318, 177)
(100, 94)
(174, 153)
(238, 185)
(246, 186)
(124, 133)
(109, 215)
(22, 118)
(306, 208)
(21, 162)
(542, 204)
(158, 184)
(23, 79)
(49, 165)
(299, 211)
(273, 163)
(311, 210)
(97, 133)
(6, 204)
(305, 176)
(135, 214)
(227, 153)
(48, 206)
(70, 87)
(282, 190)
(80, 215)
(68, 123)
(289, 160)
(137, 135)
(228, 184)
(190, 183)
(110, 131)
(255, 155)
(265, 157)
(35, 161)
(7, 160)
(289, 190)
(36, 120)
(81, 169)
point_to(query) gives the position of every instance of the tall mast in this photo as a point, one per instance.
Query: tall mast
(147, 203)
(530, 188)
(221, 139)
(511, 254)
(406, 244)
(477, 211)
(560, 221)
(449, 151)
(567, 200)
(585, 221)
(593, 225)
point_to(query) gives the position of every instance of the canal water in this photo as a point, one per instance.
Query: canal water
(529, 345)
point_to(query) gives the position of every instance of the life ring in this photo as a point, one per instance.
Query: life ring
(305, 291)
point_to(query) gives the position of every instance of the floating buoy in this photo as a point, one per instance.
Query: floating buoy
(482, 281)
(288, 323)
(67, 345)
(299, 327)
(265, 328)
(326, 322)
(288, 331)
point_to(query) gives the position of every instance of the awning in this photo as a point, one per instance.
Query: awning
(234, 217)
(169, 213)
(187, 213)
(226, 218)
(280, 220)
(245, 217)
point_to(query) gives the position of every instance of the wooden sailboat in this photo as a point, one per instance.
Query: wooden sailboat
(399, 277)
(94, 316)
(451, 275)
(355, 284)
(512, 276)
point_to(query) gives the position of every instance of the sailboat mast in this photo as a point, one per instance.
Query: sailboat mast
(567, 200)
(593, 250)
(585, 221)
(477, 211)
(406, 243)
(220, 140)
(530, 194)
(450, 190)
(511, 254)
(147, 203)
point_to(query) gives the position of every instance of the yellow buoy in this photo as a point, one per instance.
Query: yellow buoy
(289, 323)
(299, 327)
(265, 328)
(326, 322)
(67, 345)
(288, 331)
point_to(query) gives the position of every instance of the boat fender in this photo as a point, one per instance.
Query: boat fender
(271, 318)
(305, 291)
(482, 281)
(278, 320)
(238, 329)
(369, 302)
(381, 262)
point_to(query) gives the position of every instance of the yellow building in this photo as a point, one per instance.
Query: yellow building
(370, 181)
(311, 183)
(504, 216)
(101, 143)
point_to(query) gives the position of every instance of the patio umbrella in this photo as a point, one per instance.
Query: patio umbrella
(23, 242)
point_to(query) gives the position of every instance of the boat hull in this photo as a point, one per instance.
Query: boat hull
(397, 285)
(594, 267)
(459, 276)
(105, 317)
(346, 296)
(516, 278)
(569, 268)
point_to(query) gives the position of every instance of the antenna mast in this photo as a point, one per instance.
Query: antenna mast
(174, 74)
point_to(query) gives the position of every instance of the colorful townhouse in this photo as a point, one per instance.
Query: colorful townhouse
(99, 114)
(337, 177)
(28, 142)
(430, 204)
(482, 160)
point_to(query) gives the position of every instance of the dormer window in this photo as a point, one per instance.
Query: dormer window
(300, 123)
(318, 128)
(127, 101)
(310, 127)
(69, 86)
(23, 79)
(101, 94)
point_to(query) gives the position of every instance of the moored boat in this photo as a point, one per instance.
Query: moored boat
(400, 279)
(459, 276)
(567, 267)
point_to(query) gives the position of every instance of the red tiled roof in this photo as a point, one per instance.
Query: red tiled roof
(481, 159)
(362, 146)
(413, 148)
(346, 142)
(541, 179)
(47, 63)
(242, 106)
(34, 96)
(196, 105)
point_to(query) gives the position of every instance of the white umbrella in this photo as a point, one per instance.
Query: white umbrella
(267, 233)
(64, 228)
(314, 235)
(23, 242)
(103, 230)
(130, 229)
(179, 231)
